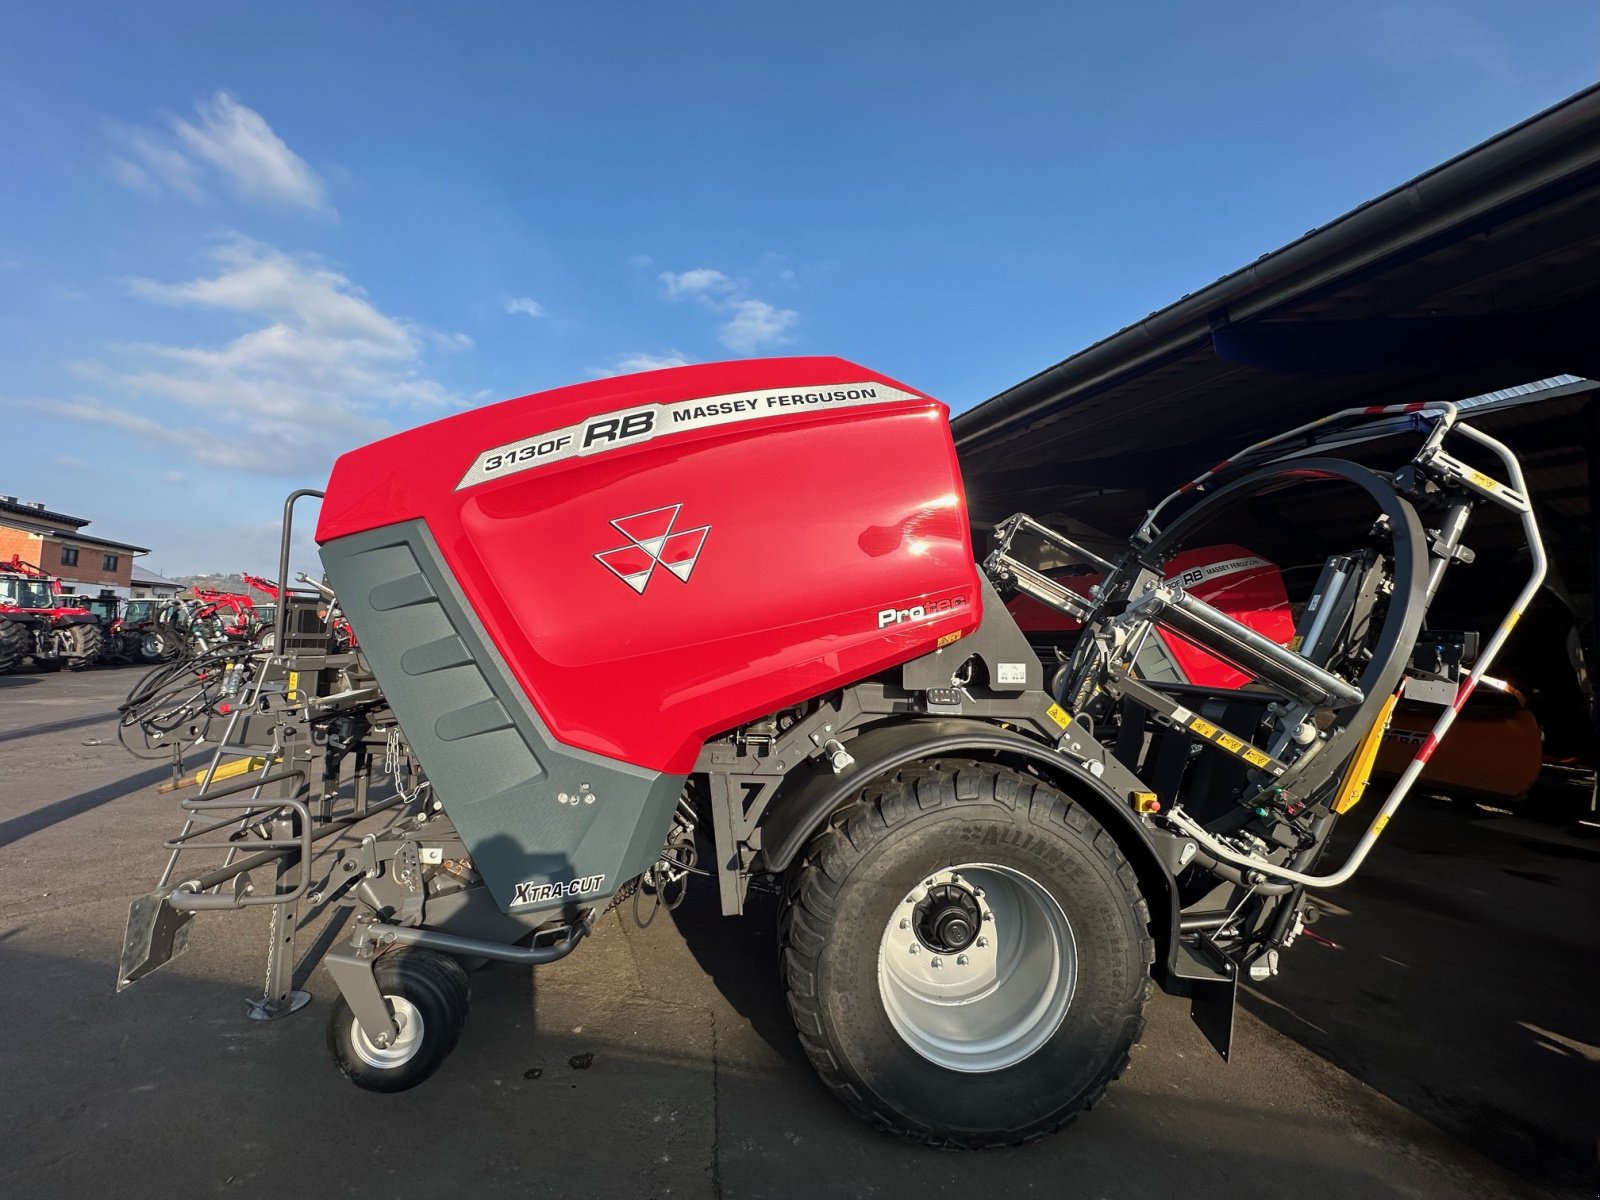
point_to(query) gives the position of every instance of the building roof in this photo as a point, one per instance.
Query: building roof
(36, 519)
(151, 579)
(10, 505)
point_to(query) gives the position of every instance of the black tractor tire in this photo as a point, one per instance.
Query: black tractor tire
(422, 988)
(159, 643)
(15, 645)
(843, 901)
(84, 645)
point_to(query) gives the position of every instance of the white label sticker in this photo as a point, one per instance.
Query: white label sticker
(642, 423)
(1011, 672)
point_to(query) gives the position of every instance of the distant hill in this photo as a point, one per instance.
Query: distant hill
(218, 583)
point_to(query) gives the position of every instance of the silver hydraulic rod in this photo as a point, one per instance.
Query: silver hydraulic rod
(1041, 587)
(1237, 643)
(1530, 529)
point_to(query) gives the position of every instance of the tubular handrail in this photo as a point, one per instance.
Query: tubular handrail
(1419, 761)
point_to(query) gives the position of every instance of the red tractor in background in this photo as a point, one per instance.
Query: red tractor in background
(34, 623)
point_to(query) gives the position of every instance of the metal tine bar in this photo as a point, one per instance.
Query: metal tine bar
(222, 748)
(253, 703)
(182, 840)
(256, 845)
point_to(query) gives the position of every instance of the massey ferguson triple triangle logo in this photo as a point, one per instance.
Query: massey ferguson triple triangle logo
(652, 541)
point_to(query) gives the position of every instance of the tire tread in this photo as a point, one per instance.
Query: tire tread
(811, 890)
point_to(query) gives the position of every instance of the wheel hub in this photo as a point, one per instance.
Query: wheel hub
(947, 918)
(977, 967)
(408, 1039)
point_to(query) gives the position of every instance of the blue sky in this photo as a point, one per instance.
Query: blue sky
(236, 240)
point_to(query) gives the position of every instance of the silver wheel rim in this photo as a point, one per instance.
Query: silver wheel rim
(991, 1005)
(406, 1043)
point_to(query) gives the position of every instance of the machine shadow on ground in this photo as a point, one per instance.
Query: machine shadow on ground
(1464, 983)
(552, 1088)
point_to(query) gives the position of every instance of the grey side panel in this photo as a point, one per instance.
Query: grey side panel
(494, 763)
(1009, 662)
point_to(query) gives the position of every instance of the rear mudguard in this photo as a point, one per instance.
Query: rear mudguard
(802, 808)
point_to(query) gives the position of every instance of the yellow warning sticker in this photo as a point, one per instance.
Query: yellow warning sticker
(1255, 758)
(1483, 481)
(1203, 727)
(1294, 643)
(1059, 715)
(1229, 743)
(948, 638)
(1377, 826)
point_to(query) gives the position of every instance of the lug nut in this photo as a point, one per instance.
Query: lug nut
(916, 949)
(938, 962)
(977, 893)
(983, 943)
(905, 923)
(962, 960)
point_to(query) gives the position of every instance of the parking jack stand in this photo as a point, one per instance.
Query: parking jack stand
(279, 996)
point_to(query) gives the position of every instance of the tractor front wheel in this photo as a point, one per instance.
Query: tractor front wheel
(966, 954)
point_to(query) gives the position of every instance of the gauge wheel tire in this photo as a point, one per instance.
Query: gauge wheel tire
(863, 875)
(85, 644)
(14, 645)
(429, 996)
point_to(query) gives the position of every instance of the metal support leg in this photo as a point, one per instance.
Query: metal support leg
(279, 997)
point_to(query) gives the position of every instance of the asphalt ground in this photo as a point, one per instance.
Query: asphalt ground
(1449, 1048)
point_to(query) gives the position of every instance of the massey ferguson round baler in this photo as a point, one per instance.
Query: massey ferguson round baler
(583, 647)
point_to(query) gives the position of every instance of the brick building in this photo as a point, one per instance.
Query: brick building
(56, 542)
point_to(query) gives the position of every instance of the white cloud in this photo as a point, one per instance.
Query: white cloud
(525, 306)
(226, 142)
(751, 324)
(132, 176)
(701, 281)
(756, 324)
(320, 372)
(629, 364)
